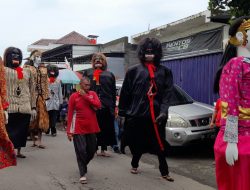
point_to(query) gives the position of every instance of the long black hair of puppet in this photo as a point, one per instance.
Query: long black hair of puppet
(230, 51)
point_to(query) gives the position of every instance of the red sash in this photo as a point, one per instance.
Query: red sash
(151, 94)
(96, 77)
(19, 72)
(52, 79)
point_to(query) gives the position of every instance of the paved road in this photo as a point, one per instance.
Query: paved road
(195, 161)
(55, 168)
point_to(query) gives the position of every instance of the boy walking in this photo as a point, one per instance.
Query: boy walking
(82, 125)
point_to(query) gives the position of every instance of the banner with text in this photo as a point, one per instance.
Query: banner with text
(203, 41)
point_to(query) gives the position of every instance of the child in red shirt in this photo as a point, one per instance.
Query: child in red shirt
(215, 121)
(83, 125)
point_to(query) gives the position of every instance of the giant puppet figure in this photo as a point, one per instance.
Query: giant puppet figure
(39, 72)
(21, 98)
(232, 146)
(103, 83)
(144, 102)
(7, 153)
(56, 98)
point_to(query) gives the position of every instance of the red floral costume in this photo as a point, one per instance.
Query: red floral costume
(7, 154)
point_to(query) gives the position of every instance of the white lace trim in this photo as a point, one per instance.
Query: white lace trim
(231, 129)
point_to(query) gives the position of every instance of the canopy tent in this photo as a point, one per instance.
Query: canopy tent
(68, 76)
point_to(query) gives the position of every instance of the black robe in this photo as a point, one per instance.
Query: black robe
(139, 131)
(106, 92)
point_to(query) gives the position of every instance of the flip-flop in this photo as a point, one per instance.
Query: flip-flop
(168, 178)
(20, 156)
(134, 171)
(105, 155)
(83, 180)
(41, 146)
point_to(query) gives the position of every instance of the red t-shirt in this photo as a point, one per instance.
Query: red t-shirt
(82, 113)
(218, 110)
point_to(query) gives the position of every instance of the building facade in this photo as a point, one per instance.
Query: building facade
(192, 49)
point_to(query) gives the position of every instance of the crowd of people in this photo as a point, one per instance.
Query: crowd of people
(32, 98)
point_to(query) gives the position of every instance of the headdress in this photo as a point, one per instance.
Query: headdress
(240, 38)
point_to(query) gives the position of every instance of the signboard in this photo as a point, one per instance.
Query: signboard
(204, 41)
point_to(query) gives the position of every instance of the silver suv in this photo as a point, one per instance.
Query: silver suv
(188, 119)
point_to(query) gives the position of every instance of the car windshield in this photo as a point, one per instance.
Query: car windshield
(180, 97)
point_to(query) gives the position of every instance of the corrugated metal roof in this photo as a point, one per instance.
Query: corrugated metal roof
(189, 21)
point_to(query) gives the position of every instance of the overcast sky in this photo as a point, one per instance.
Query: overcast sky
(26, 21)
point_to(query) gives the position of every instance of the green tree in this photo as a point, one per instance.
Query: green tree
(235, 8)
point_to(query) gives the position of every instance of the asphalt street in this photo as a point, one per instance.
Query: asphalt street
(55, 168)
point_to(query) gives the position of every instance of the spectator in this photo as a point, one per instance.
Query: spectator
(215, 121)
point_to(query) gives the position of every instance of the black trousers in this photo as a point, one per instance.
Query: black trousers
(163, 166)
(139, 134)
(85, 148)
(52, 121)
(17, 128)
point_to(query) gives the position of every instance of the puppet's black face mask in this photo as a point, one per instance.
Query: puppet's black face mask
(149, 53)
(53, 71)
(13, 58)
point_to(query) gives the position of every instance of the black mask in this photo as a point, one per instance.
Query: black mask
(53, 71)
(149, 49)
(13, 57)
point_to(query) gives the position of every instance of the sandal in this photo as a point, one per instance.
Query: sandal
(134, 171)
(34, 145)
(83, 180)
(41, 146)
(103, 154)
(98, 154)
(168, 178)
(20, 156)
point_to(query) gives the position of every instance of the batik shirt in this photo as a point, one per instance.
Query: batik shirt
(20, 92)
(41, 81)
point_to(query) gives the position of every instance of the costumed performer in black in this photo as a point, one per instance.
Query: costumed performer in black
(103, 83)
(144, 102)
(21, 98)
